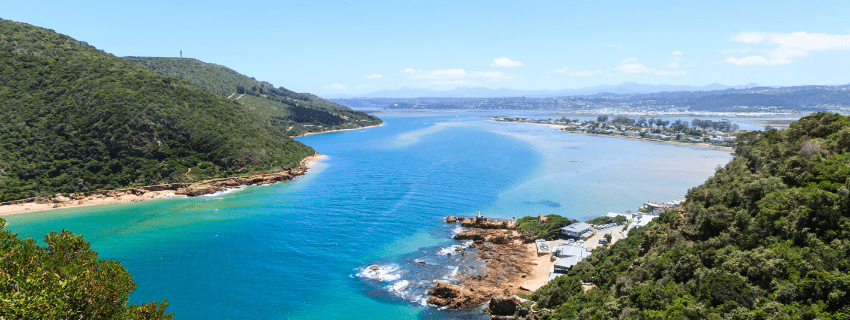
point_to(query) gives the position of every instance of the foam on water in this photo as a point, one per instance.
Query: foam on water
(384, 273)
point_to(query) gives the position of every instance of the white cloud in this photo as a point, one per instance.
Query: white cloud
(677, 53)
(409, 70)
(628, 60)
(373, 76)
(673, 65)
(789, 45)
(505, 62)
(582, 73)
(639, 68)
(757, 60)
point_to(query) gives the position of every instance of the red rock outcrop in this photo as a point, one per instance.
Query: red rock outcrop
(454, 296)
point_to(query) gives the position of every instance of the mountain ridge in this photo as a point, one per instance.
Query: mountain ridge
(481, 92)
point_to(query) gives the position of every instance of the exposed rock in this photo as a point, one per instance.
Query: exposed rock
(454, 297)
(451, 219)
(498, 240)
(502, 305)
(469, 235)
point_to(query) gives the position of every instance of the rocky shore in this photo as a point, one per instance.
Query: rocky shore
(152, 192)
(511, 261)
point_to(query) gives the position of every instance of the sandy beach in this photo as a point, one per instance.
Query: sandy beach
(153, 192)
(340, 130)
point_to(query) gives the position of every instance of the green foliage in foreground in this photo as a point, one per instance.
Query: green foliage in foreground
(74, 119)
(767, 237)
(606, 219)
(65, 280)
(294, 113)
(548, 230)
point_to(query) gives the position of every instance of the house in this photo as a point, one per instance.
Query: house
(563, 265)
(571, 251)
(576, 230)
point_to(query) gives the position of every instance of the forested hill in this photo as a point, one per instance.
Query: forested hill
(767, 237)
(73, 118)
(294, 113)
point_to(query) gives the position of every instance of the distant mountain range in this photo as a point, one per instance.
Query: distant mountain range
(478, 92)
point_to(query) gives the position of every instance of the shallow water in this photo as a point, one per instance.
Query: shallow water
(301, 249)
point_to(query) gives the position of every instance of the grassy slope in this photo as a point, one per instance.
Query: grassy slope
(767, 237)
(73, 118)
(288, 110)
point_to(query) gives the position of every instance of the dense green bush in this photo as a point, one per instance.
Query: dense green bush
(292, 112)
(65, 280)
(767, 237)
(606, 219)
(548, 230)
(73, 118)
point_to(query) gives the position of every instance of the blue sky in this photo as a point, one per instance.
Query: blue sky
(350, 47)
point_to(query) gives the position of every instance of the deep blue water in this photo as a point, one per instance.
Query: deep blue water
(299, 249)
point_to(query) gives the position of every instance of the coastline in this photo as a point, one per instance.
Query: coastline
(338, 130)
(696, 145)
(154, 192)
(511, 260)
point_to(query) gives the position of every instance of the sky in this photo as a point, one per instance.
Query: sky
(355, 47)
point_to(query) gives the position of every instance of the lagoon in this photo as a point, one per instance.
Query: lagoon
(295, 250)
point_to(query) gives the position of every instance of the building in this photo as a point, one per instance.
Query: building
(566, 250)
(576, 230)
(563, 265)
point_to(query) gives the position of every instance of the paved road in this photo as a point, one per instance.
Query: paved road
(593, 241)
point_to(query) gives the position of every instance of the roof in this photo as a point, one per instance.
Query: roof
(567, 262)
(576, 227)
(574, 251)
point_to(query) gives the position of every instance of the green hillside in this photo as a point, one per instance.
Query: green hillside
(73, 118)
(294, 113)
(767, 237)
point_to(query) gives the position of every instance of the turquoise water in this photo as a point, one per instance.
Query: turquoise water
(298, 250)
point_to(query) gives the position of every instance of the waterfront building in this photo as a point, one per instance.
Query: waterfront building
(577, 230)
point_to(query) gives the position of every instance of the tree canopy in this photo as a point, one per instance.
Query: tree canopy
(73, 119)
(65, 279)
(766, 237)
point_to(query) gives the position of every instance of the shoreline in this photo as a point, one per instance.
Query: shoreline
(696, 145)
(338, 130)
(511, 260)
(138, 194)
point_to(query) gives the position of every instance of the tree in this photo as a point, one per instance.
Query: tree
(641, 122)
(602, 118)
(65, 280)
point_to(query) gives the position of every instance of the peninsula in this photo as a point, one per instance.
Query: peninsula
(700, 133)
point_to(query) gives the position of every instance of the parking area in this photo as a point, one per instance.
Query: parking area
(593, 242)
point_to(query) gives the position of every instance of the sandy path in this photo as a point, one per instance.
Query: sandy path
(541, 267)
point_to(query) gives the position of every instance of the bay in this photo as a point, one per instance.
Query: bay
(296, 250)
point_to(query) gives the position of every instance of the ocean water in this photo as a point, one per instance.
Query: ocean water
(302, 249)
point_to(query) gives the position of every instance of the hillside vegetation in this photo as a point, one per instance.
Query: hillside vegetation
(65, 279)
(73, 118)
(294, 113)
(767, 237)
